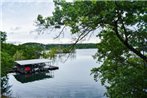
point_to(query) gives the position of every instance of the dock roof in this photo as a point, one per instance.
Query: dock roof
(32, 61)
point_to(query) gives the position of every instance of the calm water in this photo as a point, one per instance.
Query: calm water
(72, 80)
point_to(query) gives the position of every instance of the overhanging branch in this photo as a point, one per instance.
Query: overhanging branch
(60, 33)
(138, 53)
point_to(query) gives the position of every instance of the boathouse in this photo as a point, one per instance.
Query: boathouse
(34, 65)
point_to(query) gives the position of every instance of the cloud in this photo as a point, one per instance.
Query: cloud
(18, 19)
(27, 1)
(15, 28)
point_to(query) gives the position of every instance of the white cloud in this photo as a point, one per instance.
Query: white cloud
(27, 1)
(18, 19)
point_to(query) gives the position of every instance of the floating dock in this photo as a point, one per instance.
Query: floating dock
(34, 65)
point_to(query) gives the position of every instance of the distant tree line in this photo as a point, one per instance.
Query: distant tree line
(50, 46)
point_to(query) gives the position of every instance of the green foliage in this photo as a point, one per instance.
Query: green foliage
(18, 55)
(31, 50)
(9, 48)
(123, 35)
(6, 55)
(3, 36)
(77, 46)
(52, 53)
(6, 63)
(5, 87)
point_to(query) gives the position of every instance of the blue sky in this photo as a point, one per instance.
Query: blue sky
(18, 20)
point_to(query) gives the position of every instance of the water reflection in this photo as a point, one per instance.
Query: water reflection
(5, 87)
(63, 57)
(72, 80)
(25, 78)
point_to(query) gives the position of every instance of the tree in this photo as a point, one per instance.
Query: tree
(6, 63)
(3, 36)
(6, 60)
(30, 51)
(5, 87)
(18, 55)
(122, 49)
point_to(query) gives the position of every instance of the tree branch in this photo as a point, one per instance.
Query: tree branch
(80, 37)
(125, 42)
(125, 31)
(60, 33)
(119, 13)
(128, 45)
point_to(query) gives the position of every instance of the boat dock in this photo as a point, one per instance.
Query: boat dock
(34, 65)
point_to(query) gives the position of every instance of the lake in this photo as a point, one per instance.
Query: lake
(71, 80)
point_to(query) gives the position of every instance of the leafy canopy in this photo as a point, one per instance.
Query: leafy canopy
(3, 36)
(123, 46)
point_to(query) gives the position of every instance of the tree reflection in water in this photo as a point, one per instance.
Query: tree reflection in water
(23, 78)
(63, 57)
(5, 87)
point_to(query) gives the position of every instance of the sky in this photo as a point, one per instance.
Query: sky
(18, 17)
